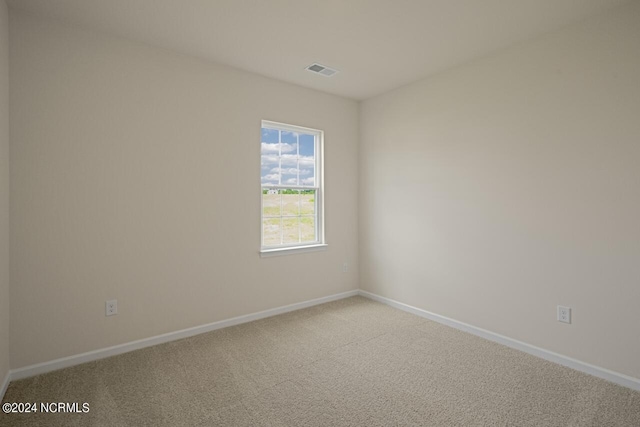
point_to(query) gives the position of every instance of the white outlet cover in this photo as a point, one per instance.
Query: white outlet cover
(564, 314)
(111, 307)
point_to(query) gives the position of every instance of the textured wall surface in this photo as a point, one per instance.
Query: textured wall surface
(136, 176)
(4, 191)
(495, 191)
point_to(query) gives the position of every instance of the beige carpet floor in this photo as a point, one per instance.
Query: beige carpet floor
(352, 362)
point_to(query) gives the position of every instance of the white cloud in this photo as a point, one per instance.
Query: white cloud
(307, 160)
(270, 148)
(269, 160)
(287, 169)
(277, 148)
(288, 148)
(291, 171)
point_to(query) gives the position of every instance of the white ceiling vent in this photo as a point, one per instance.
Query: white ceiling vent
(322, 69)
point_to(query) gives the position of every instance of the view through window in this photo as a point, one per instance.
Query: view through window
(291, 186)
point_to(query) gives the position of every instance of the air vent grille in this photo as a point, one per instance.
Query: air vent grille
(322, 70)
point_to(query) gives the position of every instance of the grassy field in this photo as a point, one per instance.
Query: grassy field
(298, 224)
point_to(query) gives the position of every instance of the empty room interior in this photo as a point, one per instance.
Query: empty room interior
(336, 213)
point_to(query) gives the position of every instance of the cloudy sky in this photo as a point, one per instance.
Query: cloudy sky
(288, 158)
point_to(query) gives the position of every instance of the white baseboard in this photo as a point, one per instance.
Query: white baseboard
(606, 374)
(65, 362)
(4, 384)
(41, 368)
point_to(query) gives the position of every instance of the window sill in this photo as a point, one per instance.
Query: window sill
(266, 253)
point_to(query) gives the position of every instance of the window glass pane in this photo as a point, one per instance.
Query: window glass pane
(290, 202)
(289, 143)
(307, 145)
(307, 229)
(308, 202)
(307, 171)
(291, 230)
(289, 171)
(290, 176)
(271, 231)
(270, 203)
(307, 159)
(270, 136)
(270, 141)
(270, 172)
(289, 160)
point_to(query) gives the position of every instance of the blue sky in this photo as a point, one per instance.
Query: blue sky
(295, 154)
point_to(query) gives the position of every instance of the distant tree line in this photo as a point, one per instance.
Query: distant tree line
(291, 191)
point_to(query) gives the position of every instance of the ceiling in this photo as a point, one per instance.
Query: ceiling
(377, 45)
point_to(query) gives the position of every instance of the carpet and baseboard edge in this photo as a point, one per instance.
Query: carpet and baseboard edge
(4, 384)
(53, 365)
(65, 362)
(578, 365)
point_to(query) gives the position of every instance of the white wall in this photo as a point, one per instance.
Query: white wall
(135, 175)
(495, 191)
(4, 191)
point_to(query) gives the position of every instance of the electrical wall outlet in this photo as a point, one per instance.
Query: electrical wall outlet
(345, 267)
(564, 314)
(111, 307)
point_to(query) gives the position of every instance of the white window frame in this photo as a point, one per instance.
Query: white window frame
(319, 243)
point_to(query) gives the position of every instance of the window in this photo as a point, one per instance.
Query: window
(291, 186)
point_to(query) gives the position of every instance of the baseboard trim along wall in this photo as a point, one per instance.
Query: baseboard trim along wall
(65, 362)
(4, 385)
(606, 374)
(41, 368)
